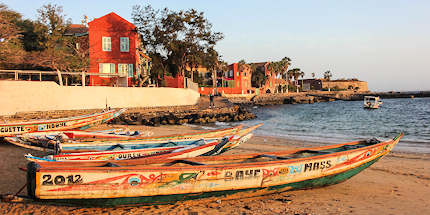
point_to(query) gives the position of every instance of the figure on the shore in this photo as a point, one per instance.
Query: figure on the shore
(211, 100)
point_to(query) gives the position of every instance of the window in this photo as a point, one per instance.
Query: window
(124, 44)
(130, 70)
(106, 68)
(237, 73)
(125, 70)
(106, 45)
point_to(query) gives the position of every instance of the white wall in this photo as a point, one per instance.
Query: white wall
(23, 96)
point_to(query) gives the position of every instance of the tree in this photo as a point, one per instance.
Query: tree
(259, 76)
(11, 50)
(327, 75)
(182, 38)
(296, 73)
(313, 75)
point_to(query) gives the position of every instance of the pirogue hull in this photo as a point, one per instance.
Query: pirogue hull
(122, 143)
(201, 147)
(168, 181)
(226, 194)
(78, 122)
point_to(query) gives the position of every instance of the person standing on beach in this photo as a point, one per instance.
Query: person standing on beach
(211, 100)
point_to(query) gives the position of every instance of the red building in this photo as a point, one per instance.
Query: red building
(114, 50)
(237, 80)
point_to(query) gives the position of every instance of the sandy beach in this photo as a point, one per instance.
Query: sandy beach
(397, 184)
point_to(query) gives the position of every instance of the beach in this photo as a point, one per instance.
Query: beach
(397, 184)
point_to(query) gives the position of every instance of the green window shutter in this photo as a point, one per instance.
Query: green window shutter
(112, 68)
(100, 67)
(130, 70)
(124, 44)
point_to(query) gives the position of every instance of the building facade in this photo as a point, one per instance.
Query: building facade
(237, 80)
(310, 84)
(115, 52)
(352, 85)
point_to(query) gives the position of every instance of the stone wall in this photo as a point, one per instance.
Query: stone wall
(28, 96)
(345, 84)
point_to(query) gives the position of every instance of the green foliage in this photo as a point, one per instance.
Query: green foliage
(180, 38)
(258, 77)
(39, 44)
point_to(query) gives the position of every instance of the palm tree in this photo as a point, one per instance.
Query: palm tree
(327, 75)
(296, 73)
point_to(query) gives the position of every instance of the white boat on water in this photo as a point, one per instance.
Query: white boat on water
(372, 102)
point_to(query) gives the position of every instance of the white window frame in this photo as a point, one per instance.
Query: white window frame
(111, 69)
(122, 69)
(125, 70)
(106, 44)
(124, 44)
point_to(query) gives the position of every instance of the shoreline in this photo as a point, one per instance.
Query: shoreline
(397, 184)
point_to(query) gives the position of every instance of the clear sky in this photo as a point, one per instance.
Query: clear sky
(384, 42)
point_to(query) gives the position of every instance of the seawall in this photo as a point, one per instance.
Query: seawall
(30, 96)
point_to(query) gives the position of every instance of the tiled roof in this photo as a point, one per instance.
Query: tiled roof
(76, 29)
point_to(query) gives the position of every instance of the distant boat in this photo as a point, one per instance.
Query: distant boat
(372, 102)
(77, 122)
(164, 181)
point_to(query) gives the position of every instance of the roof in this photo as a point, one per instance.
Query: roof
(76, 30)
(112, 16)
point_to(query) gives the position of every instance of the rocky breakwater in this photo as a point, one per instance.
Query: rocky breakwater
(182, 115)
(274, 99)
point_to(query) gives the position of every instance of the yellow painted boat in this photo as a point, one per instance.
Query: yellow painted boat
(162, 181)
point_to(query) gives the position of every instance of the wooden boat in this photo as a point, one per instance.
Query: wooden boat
(214, 149)
(178, 140)
(42, 140)
(106, 135)
(61, 146)
(78, 122)
(196, 149)
(162, 181)
(371, 102)
(192, 135)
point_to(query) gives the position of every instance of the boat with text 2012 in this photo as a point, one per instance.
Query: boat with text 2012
(77, 122)
(163, 181)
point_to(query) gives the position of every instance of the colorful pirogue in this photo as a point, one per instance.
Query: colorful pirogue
(160, 181)
(78, 122)
(82, 145)
(209, 146)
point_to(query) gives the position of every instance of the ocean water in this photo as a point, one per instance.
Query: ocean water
(341, 121)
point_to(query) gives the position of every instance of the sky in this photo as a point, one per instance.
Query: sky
(384, 42)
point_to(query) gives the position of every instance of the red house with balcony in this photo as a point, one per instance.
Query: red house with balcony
(114, 51)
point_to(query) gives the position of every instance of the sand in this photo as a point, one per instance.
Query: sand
(397, 184)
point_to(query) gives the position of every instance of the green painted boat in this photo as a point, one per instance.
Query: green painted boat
(164, 181)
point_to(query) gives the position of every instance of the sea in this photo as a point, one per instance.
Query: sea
(344, 121)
